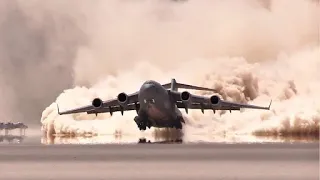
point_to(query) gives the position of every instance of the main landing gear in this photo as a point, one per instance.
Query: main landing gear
(143, 123)
(178, 123)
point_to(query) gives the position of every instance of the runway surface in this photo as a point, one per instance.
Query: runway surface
(161, 161)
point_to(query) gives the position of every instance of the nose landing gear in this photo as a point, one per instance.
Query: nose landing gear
(178, 123)
(142, 123)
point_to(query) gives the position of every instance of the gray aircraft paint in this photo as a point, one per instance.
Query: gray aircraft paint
(157, 105)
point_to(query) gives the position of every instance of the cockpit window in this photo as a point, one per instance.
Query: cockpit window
(152, 101)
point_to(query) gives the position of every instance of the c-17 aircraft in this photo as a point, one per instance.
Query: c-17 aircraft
(157, 105)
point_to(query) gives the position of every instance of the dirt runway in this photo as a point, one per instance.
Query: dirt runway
(161, 161)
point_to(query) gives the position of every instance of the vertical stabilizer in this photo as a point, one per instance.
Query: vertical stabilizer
(173, 85)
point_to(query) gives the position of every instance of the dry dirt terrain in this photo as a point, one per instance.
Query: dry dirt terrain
(161, 161)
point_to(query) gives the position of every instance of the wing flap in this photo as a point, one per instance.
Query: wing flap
(76, 110)
(111, 109)
(227, 104)
(223, 105)
(204, 106)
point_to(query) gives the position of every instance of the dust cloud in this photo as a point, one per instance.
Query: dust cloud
(250, 51)
(38, 44)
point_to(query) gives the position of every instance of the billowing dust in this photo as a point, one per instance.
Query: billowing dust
(250, 51)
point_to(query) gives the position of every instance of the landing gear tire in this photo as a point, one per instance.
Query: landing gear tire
(178, 125)
(142, 140)
(142, 127)
(141, 124)
(148, 125)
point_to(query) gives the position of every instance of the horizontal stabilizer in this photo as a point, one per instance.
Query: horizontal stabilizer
(174, 86)
(187, 86)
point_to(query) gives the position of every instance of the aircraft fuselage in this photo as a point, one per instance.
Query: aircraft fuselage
(157, 106)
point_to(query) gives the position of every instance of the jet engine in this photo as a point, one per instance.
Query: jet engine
(123, 99)
(97, 103)
(215, 99)
(185, 96)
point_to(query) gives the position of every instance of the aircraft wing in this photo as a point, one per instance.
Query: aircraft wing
(128, 102)
(187, 101)
(111, 109)
(223, 105)
(227, 104)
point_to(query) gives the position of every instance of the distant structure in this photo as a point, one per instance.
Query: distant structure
(11, 138)
(7, 127)
(22, 127)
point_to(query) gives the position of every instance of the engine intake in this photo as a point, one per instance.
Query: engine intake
(185, 96)
(97, 103)
(214, 99)
(122, 98)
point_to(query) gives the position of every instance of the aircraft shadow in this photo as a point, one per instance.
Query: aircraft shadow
(145, 141)
(107, 140)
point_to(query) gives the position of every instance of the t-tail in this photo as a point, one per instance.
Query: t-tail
(174, 86)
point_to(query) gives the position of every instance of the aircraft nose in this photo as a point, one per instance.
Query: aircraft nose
(147, 87)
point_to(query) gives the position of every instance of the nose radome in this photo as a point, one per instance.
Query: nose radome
(147, 86)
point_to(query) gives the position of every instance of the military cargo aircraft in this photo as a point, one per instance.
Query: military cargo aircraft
(157, 105)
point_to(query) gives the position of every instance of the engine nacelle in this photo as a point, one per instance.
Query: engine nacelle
(97, 103)
(215, 99)
(123, 99)
(185, 96)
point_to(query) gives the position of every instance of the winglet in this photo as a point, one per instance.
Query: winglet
(270, 104)
(58, 109)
